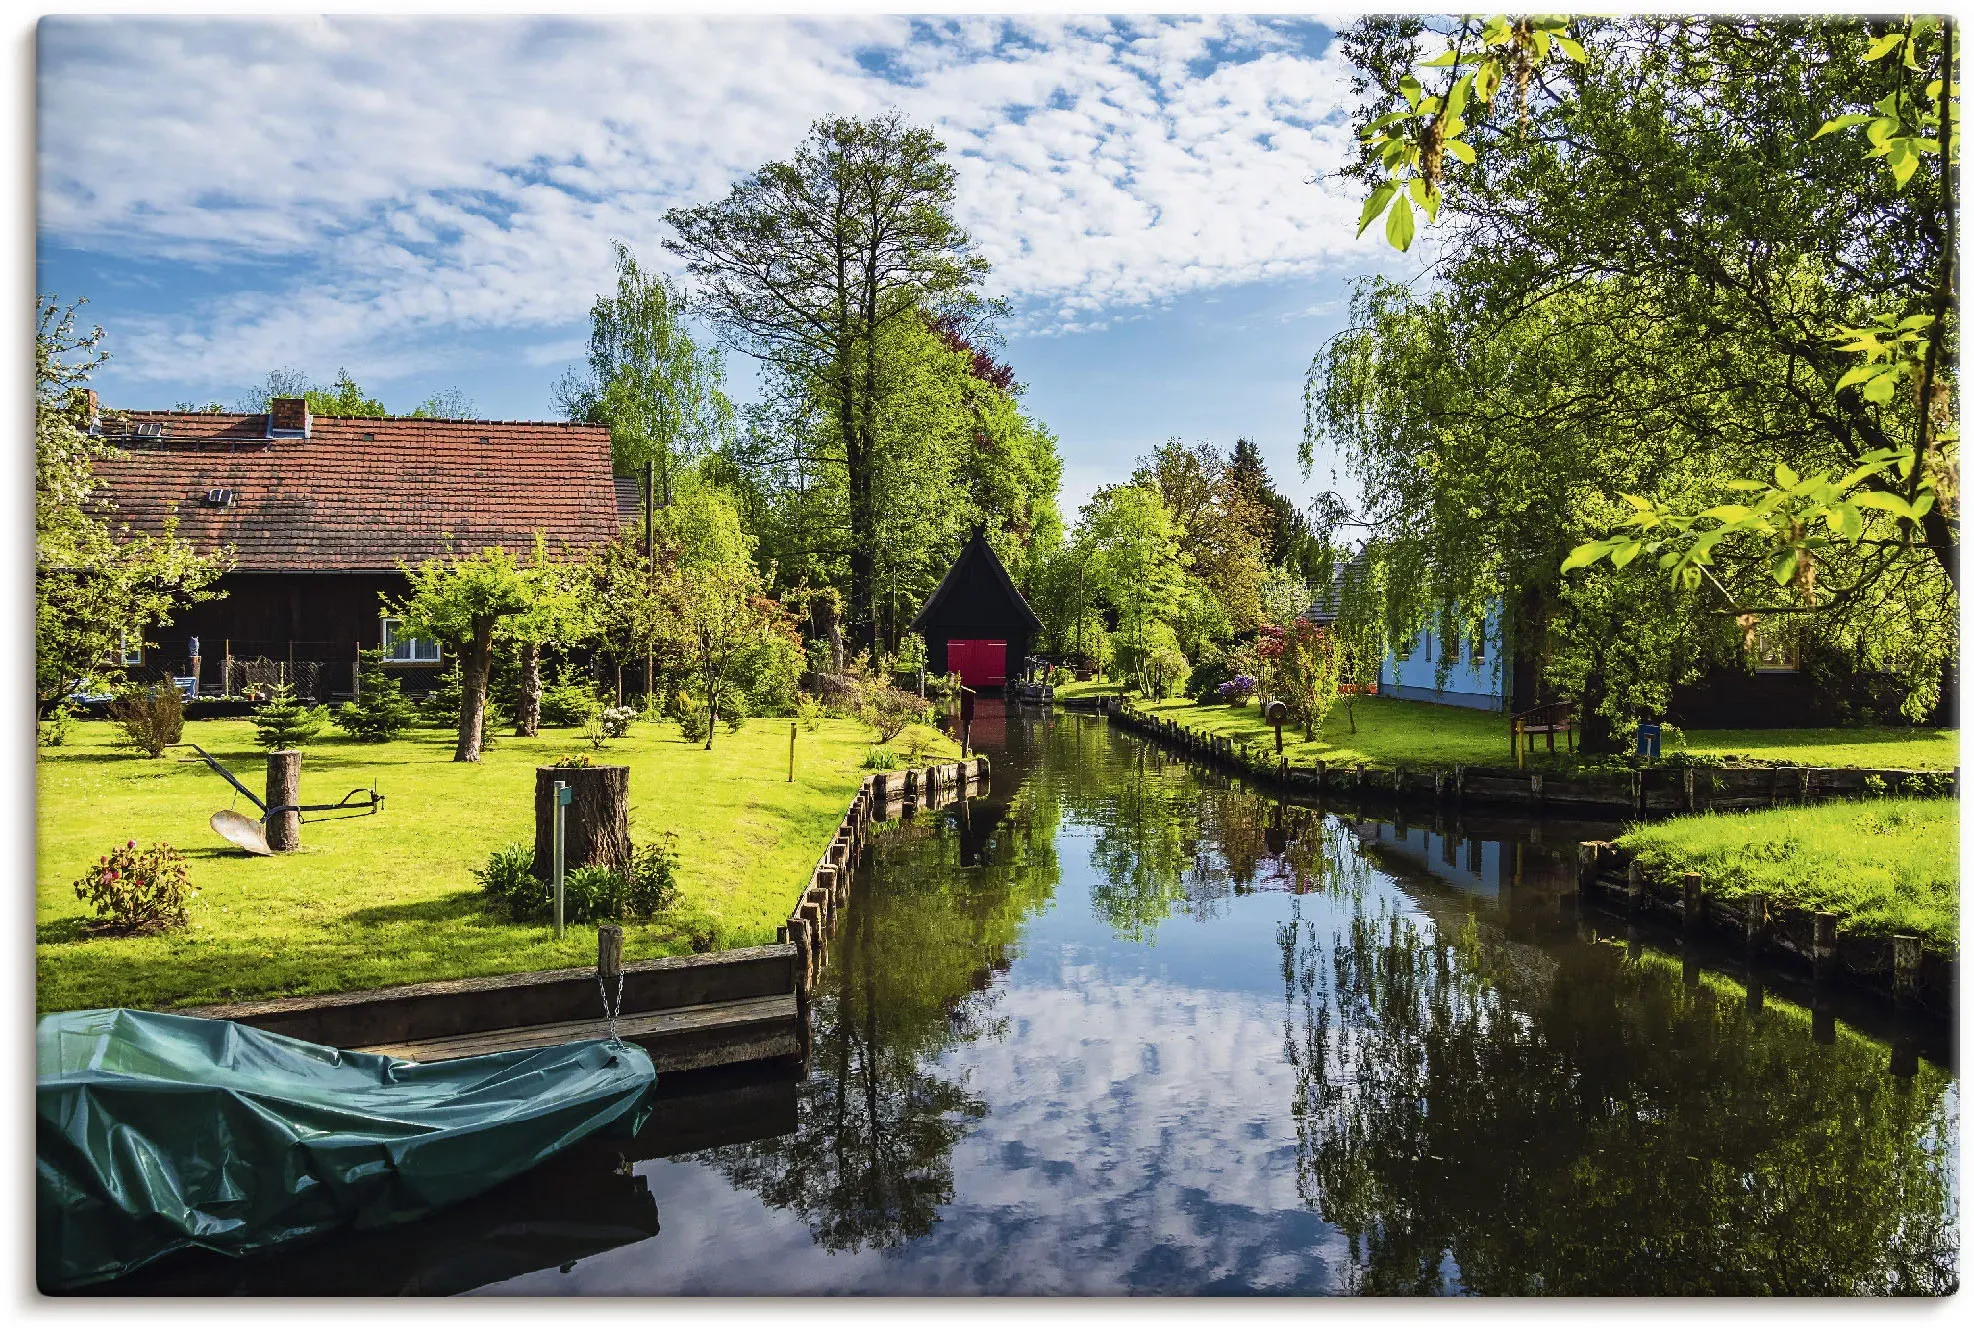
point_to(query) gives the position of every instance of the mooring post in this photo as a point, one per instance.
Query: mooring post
(1691, 901)
(1823, 946)
(1587, 851)
(1756, 990)
(1756, 918)
(284, 790)
(1905, 969)
(1634, 885)
(609, 952)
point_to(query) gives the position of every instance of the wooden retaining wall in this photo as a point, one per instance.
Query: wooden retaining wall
(1645, 792)
(884, 795)
(689, 1011)
(1913, 974)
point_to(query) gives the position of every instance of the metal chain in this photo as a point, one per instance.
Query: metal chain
(610, 1008)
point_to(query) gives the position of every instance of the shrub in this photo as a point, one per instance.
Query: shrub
(137, 889)
(810, 712)
(646, 887)
(440, 707)
(572, 761)
(734, 709)
(617, 720)
(510, 885)
(1204, 684)
(692, 723)
(653, 886)
(380, 711)
(59, 727)
(943, 686)
(919, 743)
(283, 723)
(1237, 689)
(771, 671)
(882, 758)
(889, 710)
(152, 718)
(568, 705)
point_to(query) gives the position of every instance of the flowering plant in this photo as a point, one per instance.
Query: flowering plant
(1237, 689)
(137, 889)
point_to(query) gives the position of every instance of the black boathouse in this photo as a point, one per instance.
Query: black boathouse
(977, 624)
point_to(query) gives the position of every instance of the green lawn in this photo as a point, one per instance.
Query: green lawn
(1884, 865)
(1088, 687)
(383, 899)
(1417, 733)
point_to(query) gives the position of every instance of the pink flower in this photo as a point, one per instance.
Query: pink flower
(110, 875)
(130, 843)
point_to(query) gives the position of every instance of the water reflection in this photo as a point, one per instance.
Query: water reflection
(1129, 1026)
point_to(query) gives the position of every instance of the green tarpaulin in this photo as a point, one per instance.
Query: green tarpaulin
(159, 1132)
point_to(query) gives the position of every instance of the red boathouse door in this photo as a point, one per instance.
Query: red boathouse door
(979, 663)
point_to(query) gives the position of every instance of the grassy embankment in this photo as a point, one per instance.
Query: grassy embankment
(1883, 866)
(376, 900)
(1419, 733)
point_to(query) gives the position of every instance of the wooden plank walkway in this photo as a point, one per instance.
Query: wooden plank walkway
(679, 1038)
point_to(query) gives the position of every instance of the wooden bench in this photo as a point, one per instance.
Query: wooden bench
(1549, 720)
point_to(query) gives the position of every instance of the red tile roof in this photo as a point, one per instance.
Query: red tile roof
(361, 495)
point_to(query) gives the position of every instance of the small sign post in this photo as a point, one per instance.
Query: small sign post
(1648, 741)
(562, 800)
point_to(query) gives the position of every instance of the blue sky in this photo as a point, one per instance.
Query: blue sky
(429, 203)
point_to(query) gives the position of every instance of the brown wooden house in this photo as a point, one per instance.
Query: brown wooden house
(321, 514)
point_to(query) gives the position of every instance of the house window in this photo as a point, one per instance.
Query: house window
(402, 648)
(1480, 646)
(130, 649)
(1777, 648)
(1405, 648)
(1450, 643)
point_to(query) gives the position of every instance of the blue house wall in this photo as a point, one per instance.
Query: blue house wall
(1477, 684)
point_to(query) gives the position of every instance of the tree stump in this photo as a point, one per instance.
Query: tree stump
(596, 828)
(284, 789)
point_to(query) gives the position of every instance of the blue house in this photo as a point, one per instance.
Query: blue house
(1476, 676)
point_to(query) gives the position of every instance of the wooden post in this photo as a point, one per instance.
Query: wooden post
(1755, 913)
(791, 751)
(226, 667)
(1757, 990)
(1691, 903)
(798, 932)
(284, 789)
(1586, 862)
(1634, 885)
(1823, 947)
(609, 953)
(596, 826)
(1905, 969)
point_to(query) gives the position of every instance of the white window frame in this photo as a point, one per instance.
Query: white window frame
(387, 625)
(1778, 650)
(126, 657)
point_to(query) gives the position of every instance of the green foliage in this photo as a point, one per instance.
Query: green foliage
(462, 601)
(96, 584)
(284, 723)
(695, 725)
(380, 711)
(152, 718)
(646, 887)
(1302, 664)
(440, 706)
(889, 710)
(810, 712)
(136, 890)
(920, 743)
(661, 393)
(58, 728)
(911, 656)
(1129, 546)
(882, 758)
(342, 399)
(570, 702)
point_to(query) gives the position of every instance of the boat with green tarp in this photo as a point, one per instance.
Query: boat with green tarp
(159, 1132)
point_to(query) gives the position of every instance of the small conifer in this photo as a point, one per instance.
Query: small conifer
(380, 711)
(284, 723)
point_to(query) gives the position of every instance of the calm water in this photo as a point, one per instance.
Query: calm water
(1127, 1026)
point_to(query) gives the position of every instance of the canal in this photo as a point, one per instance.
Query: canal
(1127, 1026)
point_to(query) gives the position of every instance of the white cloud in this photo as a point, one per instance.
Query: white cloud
(361, 191)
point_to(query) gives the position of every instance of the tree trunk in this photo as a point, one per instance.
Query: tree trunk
(473, 685)
(527, 722)
(284, 789)
(1596, 736)
(596, 828)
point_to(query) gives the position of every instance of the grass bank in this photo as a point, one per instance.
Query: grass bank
(376, 900)
(1883, 866)
(1419, 733)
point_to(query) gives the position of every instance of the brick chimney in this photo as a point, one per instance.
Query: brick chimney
(288, 417)
(95, 424)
